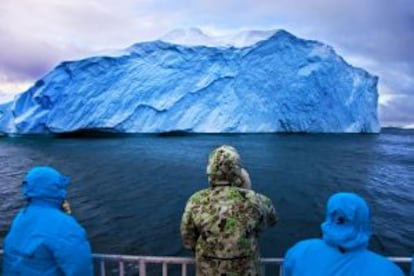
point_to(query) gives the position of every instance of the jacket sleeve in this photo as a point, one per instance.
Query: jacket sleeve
(189, 233)
(412, 266)
(295, 259)
(288, 263)
(73, 253)
(269, 215)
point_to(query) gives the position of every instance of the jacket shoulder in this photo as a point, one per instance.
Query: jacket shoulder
(306, 245)
(198, 196)
(382, 264)
(60, 223)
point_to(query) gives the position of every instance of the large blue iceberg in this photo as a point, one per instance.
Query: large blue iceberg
(280, 84)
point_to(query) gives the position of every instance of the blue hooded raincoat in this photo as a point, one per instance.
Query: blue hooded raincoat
(43, 240)
(343, 250)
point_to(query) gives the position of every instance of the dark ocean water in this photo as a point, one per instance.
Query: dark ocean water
(129, 192)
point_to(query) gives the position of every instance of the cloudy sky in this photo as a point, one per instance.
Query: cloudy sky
(378, 35)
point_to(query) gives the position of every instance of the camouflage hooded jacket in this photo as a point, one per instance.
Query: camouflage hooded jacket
(223, 224)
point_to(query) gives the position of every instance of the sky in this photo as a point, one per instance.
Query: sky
(377, 35)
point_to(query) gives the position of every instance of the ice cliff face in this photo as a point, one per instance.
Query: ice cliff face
(280, 84)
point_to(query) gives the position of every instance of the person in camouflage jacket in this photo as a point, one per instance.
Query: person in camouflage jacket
(222, 223)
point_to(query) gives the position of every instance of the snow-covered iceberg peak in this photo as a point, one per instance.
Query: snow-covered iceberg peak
(277, 84)
(196, 37)
(190, 37)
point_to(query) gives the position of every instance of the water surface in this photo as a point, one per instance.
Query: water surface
(129, 192)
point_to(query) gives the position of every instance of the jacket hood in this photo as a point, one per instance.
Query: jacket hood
(45, 183)
(347, 223)
(224, 168)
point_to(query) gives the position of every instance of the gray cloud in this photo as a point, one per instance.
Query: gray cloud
(398, 111)
(23, 60)
(35, 35)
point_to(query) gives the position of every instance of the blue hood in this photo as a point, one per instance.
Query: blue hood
(45, 183)
(347, 223)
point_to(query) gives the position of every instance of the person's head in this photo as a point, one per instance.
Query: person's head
(348, 222)
(45, 183)
(224, 168)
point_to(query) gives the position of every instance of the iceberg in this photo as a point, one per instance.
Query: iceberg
(280, 83)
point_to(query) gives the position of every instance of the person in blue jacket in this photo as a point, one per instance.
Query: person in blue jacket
(343, 248)
(43, 238)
